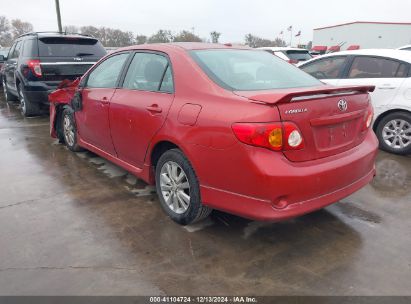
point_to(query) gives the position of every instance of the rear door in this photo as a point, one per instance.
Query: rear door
(328, 70)
(386, 74)
(11, 65)
(93, 121)
(139, 108)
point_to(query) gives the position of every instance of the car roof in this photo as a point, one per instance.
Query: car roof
(390, 53)
(55, 34)
(404, 46)
(183, 46)
(274, 48)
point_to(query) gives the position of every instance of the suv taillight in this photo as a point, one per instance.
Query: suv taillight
(34, 66)
(275, 136)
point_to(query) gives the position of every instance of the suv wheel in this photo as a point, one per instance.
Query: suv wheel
(178, 188)
(69, 130)
(27, 107)
(394, 133)
(9, 98)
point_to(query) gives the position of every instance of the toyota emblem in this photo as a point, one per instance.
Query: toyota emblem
(342, 105)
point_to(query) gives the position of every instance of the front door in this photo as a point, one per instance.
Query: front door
(139, 108)
(93, 120)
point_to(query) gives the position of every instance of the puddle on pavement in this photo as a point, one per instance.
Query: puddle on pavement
(352, 211)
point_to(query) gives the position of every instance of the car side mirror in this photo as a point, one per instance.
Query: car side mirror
(77, 101)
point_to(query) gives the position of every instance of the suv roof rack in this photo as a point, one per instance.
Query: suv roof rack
(52, 32)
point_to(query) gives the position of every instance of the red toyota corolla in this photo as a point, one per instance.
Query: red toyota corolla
(221, 127)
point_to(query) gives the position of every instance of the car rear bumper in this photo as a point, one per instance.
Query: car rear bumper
(284, 189)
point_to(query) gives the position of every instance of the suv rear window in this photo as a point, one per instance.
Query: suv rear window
(70, 47)
(299, 55)
(249, 70)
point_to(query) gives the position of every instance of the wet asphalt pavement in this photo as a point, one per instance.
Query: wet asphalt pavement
(75, 224)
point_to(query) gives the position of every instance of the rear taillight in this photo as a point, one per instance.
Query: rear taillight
(275, 136)
(293, 61)
(368, 117)
(34, 66)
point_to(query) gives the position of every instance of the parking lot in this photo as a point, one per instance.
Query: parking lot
(74, 224)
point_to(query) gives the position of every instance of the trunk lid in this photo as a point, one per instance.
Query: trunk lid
(331, 119)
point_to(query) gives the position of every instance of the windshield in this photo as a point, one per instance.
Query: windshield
(249, 70)
(70, 47)
(299, 55)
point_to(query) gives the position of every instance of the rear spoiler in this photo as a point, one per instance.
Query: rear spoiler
(285, 96)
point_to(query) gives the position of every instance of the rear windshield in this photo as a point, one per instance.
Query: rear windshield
(299, 55)
(249, 70)
(70, 47)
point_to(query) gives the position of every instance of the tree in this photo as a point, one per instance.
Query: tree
(141, 39)
(255, 41)
(90, 30)
(71, 29)
(19, 27)
(5, 34)
(215, 36)
(162, 36)
(186, 36)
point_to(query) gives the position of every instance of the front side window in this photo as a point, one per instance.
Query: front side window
(328, 68)
(375, 67)
(249, 70)
(106, 74)
(146, 72)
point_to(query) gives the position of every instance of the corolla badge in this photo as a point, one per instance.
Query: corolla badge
(342, 105)
(296, 111)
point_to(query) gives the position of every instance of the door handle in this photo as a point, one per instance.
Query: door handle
(154, 108)
(387, 87)
(104, 101)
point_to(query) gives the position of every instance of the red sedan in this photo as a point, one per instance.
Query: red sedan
(221, 127)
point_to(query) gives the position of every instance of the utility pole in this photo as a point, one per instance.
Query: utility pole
(58, 15)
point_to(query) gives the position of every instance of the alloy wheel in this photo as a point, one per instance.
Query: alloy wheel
(22, 101)
(397, 133)
(68, 130)
(5, 89)
(175, 187)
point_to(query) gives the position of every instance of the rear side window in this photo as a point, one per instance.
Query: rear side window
(148, 72)
(70, 47)
(249, 70)
(328, 68)
(299, 55)
(30, 48)
(106, 74)
(16, 50)
(374, 67)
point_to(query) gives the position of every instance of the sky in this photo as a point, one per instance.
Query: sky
(233, 18)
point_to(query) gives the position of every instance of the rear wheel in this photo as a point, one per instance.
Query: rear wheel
(9, 98)
(69, 130)
(27, 107)
(178, 188)
(394, 133)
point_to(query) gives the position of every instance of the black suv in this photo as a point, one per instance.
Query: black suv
(38, 62)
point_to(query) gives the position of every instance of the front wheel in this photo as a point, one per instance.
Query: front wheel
(178, 188)
(394, 133)
(69, 130)
(9, 98)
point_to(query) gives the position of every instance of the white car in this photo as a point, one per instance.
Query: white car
(292, 55)
(389, 71)
(405, 48)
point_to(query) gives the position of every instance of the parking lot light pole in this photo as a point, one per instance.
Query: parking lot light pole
(58, 15)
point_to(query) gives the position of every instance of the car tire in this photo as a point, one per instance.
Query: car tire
(69, 129)
(178, 188)
(27, 107)
(394, 133)
(9, 97)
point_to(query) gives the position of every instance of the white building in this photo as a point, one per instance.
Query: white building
(364, 34)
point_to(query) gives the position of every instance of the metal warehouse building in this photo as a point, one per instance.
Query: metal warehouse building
(364, 34)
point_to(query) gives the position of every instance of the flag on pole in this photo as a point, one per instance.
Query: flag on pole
(290, 28)
(298, 34)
